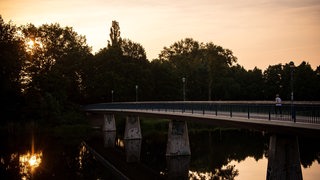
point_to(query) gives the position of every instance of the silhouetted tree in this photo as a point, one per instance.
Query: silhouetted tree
(133, 50)
(272, 81)
(217, 62)
(118, 68)
(204, 66)
(115, 35)
(306, 86)
(11, 59)
(166, 83)
(53, 69)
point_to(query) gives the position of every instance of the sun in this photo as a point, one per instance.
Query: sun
(29, 45)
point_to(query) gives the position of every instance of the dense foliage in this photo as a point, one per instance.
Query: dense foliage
(47, 72)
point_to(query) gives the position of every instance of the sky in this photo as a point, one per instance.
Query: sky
(259, 32)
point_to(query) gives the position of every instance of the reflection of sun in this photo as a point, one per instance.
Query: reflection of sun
(28, 162)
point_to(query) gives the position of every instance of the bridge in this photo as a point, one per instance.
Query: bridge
(298, 118)
(258, 114)
(294, 119)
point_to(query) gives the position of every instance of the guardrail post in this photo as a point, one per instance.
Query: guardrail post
(203, 109)
(293, 113)
(269, 113)
(216, 109)
(248, 111)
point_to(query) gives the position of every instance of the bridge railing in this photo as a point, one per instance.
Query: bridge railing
(300, 112)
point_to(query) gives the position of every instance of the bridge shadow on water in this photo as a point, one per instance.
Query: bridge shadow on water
(212, 151)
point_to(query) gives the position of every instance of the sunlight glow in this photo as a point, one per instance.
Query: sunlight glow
(30, 45)
(28, 163)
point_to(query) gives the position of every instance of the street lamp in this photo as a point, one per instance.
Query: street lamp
(137, 87)
(293, 115)
(112, 95)
(184, 88)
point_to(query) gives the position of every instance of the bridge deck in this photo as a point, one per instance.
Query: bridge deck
(300, 117)
(238, 119)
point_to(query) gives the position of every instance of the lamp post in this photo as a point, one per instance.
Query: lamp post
(184, 88)
(112, 95)
(137, 87)
(293, 113)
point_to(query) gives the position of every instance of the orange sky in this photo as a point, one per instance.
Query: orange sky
(259, 32)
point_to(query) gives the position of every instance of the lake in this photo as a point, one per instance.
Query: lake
(72, 152)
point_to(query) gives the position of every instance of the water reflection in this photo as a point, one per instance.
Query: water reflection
(178, 167)
(109, 138)
(226, 172)
(83, 153)
(133, 150)
(284, 158)
(216, 155)
(28, 163)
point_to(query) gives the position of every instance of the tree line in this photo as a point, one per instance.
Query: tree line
(48, 72)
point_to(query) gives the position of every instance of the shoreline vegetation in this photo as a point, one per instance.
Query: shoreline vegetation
(48, 72)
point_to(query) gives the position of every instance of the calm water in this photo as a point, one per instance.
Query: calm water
(216, 154)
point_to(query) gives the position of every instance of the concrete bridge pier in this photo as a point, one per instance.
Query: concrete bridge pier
(109, 130)
(132, 129)
(178, 139)
(109, 123)
(132, 139)
(284, 158)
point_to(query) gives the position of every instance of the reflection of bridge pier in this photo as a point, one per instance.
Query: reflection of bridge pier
(132, 139)
(178, 148)
(109, 130)
(178, 138)
(133, 149)
(178, 167)
(109, 138)
(284, 158)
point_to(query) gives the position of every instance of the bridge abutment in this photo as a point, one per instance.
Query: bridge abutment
(178, 139)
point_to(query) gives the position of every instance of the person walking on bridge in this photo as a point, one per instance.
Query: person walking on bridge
(278, 108)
